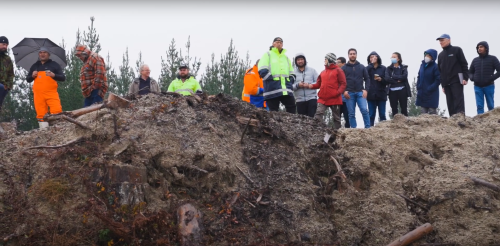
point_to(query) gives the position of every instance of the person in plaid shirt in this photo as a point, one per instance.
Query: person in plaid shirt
(92, 75)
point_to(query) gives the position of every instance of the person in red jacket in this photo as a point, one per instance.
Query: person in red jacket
(331, 84)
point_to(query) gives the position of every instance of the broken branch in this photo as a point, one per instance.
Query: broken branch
(412, 236)
(484, 183)
(197, 168)
(246, 127)
(413, 202)
(56, 146)
(339, 168)
(249, 179)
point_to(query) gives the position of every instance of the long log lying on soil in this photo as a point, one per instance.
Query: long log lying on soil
(244, 121)
(484, 183)
(413, 235)
(67, 118)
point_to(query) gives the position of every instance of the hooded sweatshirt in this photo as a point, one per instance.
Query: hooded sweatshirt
(378, 89)
(428, 81)
(309, 75)
(93, 72)
(355, 74)
(482, 69)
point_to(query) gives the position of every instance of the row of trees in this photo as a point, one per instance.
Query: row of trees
(224, 75)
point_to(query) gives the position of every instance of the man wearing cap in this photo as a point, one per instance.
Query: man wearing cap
(92, 75)
(276, 70)
(454, 74)
(45, 73)
(6, 70)
(185, 83)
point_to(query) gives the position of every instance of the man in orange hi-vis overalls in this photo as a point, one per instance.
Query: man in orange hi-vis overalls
(45, 73)
(253, 88)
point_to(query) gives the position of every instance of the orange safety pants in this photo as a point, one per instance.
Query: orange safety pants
(45, 96)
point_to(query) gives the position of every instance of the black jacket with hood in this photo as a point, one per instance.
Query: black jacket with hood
(377, 90)
(451, 62)
(482, 69)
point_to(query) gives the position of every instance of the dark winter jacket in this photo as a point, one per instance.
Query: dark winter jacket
(428, 82)
(355, 74)
(6, 70)
(482, 69)
(331, 84)
(393, 75)
(377, 90)
(451, 62)
(48, 65)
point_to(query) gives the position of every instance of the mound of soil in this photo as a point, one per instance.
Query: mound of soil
(217, 171)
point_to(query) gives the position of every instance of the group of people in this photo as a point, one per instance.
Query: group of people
(45, 75)
(342, 85)
(275, 80)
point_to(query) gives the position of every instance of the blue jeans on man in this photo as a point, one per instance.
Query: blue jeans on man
(487, 92)
(93, 98)
(372, 109)
(3, 94)
(357, 98)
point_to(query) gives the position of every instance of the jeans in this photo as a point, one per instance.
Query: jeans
(481, 93)
(3, 94)
(357, 98)
(372, 109)
(399, 98)
(335, 113)
(287, 101)
(345, 112)
(308, 107)
(93, 98)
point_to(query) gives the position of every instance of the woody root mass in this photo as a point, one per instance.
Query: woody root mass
(173, 170)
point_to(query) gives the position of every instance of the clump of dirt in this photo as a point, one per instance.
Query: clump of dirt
(256, 178)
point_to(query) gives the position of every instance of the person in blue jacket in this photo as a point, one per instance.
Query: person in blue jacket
(428, 82)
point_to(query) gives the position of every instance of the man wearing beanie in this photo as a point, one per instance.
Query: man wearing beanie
(482, 73)
(331, 84)
(6, 70)
(276, 71)
(45, 73)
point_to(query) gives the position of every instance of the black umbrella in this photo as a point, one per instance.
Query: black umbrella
(26, 52)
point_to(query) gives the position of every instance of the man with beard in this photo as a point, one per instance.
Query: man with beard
(185, 83)
(355, 92)
(307, 100)
(6, 70)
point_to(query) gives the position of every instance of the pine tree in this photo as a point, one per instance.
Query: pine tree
(169, 66)
(120, 87)
(138, 65)
(70, 91)
(111, 75)
(227, 75)
(194, 65)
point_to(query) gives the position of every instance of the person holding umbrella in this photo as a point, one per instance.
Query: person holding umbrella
(6, 70)
(45, 73)
(92, 76)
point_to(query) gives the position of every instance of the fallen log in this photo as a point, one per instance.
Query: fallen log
(413, 235)
(484, 183)
(113, 102)
(50, 118)
(244, 120)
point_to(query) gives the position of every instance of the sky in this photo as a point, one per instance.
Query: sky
(311, 27)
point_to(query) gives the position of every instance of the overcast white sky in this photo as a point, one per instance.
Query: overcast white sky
(312, 27)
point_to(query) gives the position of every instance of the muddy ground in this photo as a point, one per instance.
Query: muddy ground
(122, 181)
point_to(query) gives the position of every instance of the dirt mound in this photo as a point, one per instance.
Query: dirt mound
(141, 175)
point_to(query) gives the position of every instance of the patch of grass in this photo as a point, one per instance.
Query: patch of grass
(53, 190)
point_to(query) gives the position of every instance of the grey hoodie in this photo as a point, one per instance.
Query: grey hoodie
(309, 75)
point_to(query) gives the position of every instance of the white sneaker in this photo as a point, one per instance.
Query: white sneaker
(43, 125)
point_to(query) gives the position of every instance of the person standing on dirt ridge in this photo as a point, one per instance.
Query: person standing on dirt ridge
(454, 74)
(428, 81)
(144, 84)
(396, 75)
(331, 84)
(185, 83)
(355, 92)
(92, 75)
(482, 73)
(343, 111)
(276, 71)
(6, 70)
(307, 99)
(377, 93)
(46, 73)
(253, 87)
